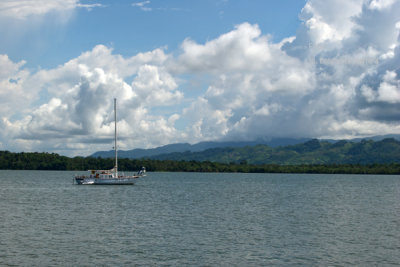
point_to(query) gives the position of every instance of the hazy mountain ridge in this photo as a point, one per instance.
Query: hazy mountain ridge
(377, 149)
(184, 147)
(310, 152)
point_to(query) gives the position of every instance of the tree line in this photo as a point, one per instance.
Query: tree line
(52, 161)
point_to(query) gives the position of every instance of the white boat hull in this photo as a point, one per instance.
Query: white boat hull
(102, 181)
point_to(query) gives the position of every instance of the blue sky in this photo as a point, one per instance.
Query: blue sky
(190, 71)
(131, 27)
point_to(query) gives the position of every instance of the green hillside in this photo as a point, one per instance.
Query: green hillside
(311, 152)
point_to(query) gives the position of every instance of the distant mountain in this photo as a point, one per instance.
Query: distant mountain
(184, 147)
(164, 151)
(144, 153)
(311, 152)
(374, 138)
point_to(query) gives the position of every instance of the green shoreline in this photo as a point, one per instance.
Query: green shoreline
(52, 161)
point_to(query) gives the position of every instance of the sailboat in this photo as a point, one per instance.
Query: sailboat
(110, 177)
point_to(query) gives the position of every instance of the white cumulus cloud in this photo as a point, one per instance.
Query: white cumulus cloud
(338, 77)
(82, 91)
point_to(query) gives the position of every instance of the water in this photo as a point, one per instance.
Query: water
(200, 220)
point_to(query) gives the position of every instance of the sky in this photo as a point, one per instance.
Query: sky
(192, 71)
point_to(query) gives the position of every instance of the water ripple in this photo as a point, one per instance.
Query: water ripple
(200, 219)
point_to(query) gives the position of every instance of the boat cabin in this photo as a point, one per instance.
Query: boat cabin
(102, 174)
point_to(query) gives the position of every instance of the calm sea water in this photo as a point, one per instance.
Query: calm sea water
(200, 220)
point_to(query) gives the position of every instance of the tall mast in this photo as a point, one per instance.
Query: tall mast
(115, 137)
